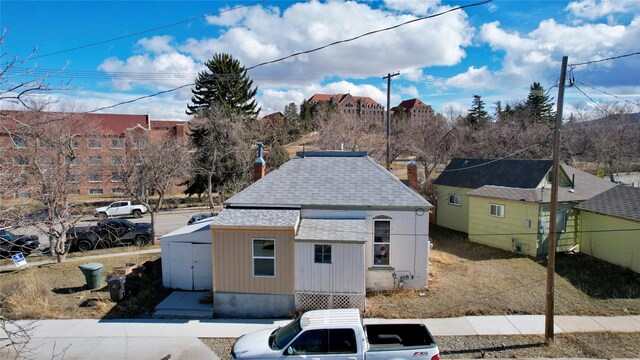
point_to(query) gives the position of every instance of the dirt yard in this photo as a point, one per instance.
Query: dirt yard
(472, 279)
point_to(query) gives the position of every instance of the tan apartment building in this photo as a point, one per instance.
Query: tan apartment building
(100, 143)
(362, 107)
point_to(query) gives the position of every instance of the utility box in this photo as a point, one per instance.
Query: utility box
(93, 274)
(116, 286)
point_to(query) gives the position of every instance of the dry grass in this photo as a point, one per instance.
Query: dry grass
(472, 279)
(57, 291)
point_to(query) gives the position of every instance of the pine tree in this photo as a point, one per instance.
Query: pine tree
(477, 115)
(292, 121)
(538, 105)
(225, 83)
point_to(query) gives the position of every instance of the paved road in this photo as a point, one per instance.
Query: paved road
(178, 338)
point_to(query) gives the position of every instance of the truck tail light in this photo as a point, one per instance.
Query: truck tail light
(435, 357)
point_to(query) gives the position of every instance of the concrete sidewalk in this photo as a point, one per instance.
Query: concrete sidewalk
(159, 338)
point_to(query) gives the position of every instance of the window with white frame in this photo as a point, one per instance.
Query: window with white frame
(19, 142)
(117, 143)
(95, 192)
(322, 254)
(72, 161)
(118, 191)
(94, 143)
(95, 160)
(496, 210)
(561, 221)
(455, 199)
(381, 241)
(74, 178)
(20, 161)
(116, 177)
(116, 160)
(264, 257)
(95, 177)
(138, 160)
(138, 143)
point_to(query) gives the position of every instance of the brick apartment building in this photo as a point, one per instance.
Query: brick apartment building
(414, 109)
(362, 107)
(102, 143)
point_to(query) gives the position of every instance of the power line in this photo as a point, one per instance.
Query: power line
(370, 33)
(606, 93)
(298, 54)
(605, 59)
(142, 32)
(588, 97)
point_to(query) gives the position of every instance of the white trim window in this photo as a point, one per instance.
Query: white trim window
(322, 253)
(264, 257)
(455, 199)
(117, 143)
(94, 143)
(496, 210)
(381, 242)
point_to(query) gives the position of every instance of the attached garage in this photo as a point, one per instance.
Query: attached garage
(186, 258)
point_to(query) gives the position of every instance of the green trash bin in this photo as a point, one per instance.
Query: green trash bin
(93, 274)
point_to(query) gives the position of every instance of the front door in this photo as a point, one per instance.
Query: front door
(191, 266)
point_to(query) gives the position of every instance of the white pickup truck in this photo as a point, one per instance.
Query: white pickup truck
(337, 334)
(120, 208)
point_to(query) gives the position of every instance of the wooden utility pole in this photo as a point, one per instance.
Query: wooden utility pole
(553, 215)
(388, 77)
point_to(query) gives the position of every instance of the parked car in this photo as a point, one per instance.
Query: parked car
(338, 333)
(109, 233)
(11, 244)
(197, 217)
(120, 208)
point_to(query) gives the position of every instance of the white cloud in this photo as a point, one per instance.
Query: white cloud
(597, 9)
(418, 7)
(156, 44)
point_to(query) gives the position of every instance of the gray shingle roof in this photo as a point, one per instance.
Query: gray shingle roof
(332, 230)
(272, 218)
(621, 201)
(586, 187)
(329, 179)
(474, 173)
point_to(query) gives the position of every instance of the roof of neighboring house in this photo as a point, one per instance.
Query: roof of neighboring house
(276, 116)
(409, 104)
(620, 201)
(339, 97)
(332, 230)
(166, 123)
(474, 173)
(330, 180)
(586, 186)
(108, 124)
(203, 225)
(256, 218)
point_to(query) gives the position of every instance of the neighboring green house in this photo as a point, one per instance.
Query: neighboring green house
(505, 203)
(610, 227)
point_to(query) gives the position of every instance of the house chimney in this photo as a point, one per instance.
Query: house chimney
(259, 165)
(412, 175)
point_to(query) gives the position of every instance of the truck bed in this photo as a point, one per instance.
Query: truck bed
(392, 337)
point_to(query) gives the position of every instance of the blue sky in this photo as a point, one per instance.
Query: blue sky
(494, 50)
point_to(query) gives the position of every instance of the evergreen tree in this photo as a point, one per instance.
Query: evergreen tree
(225, 83)
(538, 105)
(477, 115)
(292, 121)
(306, 117)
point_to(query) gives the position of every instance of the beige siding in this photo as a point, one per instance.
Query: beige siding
(345, 274)
(617, 247)
(232, 254)
(452, 216)
(499, 231)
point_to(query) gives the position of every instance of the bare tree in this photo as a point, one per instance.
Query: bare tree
(151, 167)
(343, 131)
(18, 82)
(221, 149)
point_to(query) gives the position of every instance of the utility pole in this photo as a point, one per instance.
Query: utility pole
(388, 77)
(551, 248)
